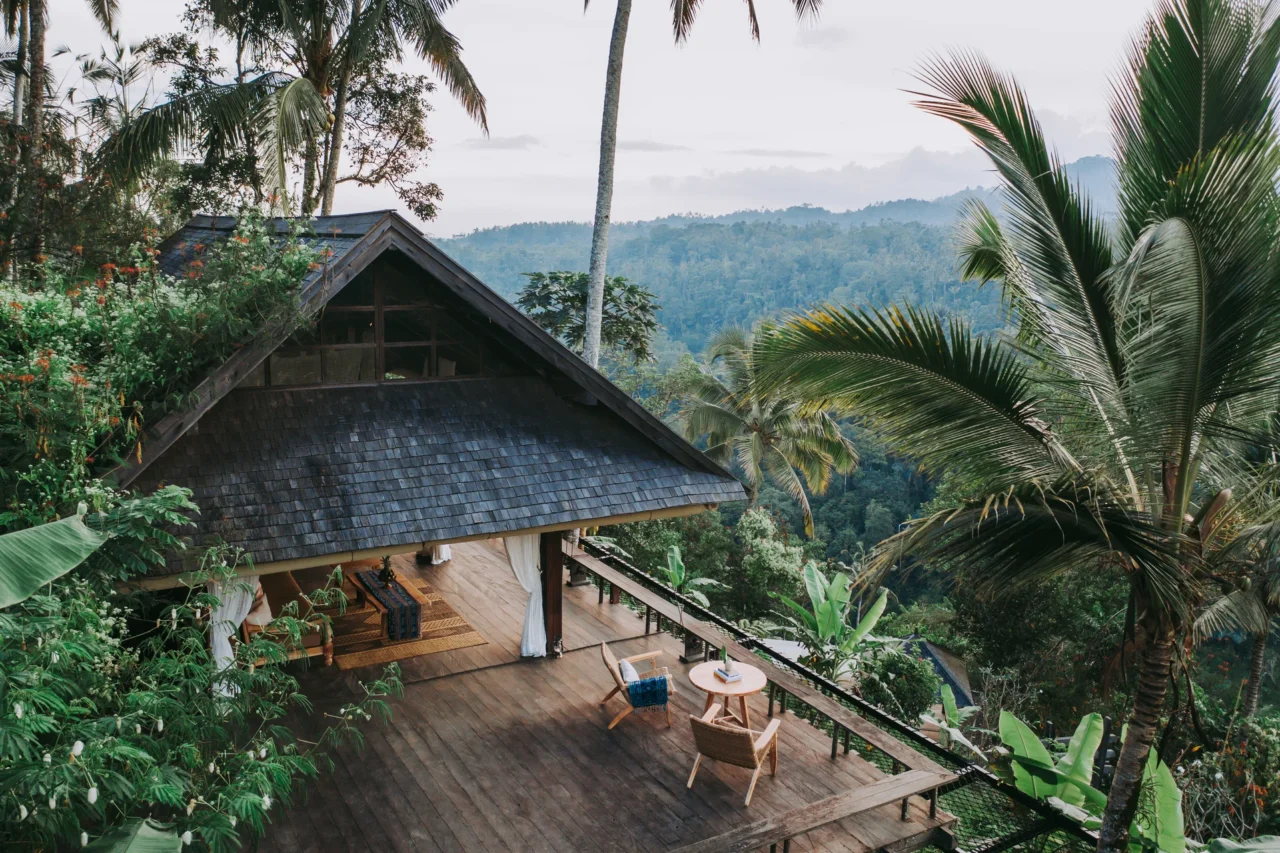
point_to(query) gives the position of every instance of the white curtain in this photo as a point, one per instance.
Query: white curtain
(235, 599)
(522, 554)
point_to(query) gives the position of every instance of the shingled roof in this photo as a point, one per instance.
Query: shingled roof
(297, 474)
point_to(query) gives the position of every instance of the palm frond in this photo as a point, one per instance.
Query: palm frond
(1240, 609)
(780, 470)
(1199, 73)
(950, 399)
(420, 22)
(1034, 532)
(286, 118)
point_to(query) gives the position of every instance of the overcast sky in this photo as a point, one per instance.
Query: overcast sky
(815, 113)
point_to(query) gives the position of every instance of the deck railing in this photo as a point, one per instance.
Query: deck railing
(993, 816)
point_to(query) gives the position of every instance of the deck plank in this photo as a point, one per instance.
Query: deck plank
(488, 752)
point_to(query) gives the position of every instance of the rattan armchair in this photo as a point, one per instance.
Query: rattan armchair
(620, 685)
(721, 740)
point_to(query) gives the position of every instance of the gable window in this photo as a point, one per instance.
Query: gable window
(386, 325)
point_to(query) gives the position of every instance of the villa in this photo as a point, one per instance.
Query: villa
(423, 424)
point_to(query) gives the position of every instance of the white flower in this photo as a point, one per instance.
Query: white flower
(160, 724)
(213, 768)
(1218, 777)
(262, 753)
(266, 801)
(17, 710)
(191, 806)
(22, 812)
(39, 642)
(186, 837)
(233, 822)
(92, 796)
(137, 728)
(173, 617)
(53, 658)
(77, 748)
(53, 803)
(48, 759)
(119, 722)
(84, 839)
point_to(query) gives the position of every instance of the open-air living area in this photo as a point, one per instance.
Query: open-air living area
(488, 751)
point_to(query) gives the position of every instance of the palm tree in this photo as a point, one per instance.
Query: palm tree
(1143, 353)
(764, 433)
(1251, 607)
(683, 14)
(277, 113)
(30, 18)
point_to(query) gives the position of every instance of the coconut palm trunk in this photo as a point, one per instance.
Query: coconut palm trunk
(20, 63)
(1256, 660)
(604, 184)
(29, 195)
(1144, 723)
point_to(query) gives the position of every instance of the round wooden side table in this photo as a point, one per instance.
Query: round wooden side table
(753, 681)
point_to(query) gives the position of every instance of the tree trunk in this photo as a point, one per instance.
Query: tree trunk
(310, 164)
(330, 180)
(31, 194)
(1148, 702)
(20, 64)
(1258, 657)
(604, 184)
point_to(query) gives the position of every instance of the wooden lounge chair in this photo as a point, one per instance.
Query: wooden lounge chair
(724, 741)
(621, 685)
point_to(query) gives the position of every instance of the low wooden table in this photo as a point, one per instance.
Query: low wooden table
(753, 681)
(363, 595)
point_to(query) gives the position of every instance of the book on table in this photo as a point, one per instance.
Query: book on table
(727, 677)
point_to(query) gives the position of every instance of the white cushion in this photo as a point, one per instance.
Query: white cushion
(628, 671)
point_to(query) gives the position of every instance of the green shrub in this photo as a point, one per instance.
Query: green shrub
(901, 684)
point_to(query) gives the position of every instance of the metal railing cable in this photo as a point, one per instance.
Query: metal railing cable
(1001, 816)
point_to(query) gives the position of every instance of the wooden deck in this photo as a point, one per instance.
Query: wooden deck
(487, 752)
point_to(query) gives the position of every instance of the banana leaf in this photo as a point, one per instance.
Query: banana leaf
(1261, 844)
(31, 558)
(1033, 770)
(1168, 830)
(872, 616)
(1078, 762)
(139, 836)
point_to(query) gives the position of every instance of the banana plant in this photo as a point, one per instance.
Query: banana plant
(953, 717)
(1065, 783)
(683, 581)
(38, 555)
(823, 627)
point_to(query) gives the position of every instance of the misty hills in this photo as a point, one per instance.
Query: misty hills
(708, 271)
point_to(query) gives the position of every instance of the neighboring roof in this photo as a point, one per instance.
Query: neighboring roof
(292, 474)
(948, 667)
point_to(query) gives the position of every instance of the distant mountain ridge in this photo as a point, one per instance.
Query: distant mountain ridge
(735, 268)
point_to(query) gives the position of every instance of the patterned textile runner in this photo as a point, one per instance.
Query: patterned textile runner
(404, 616)
(649, 694)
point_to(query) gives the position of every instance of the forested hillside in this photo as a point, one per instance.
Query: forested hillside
(710, 274)
(737, 268)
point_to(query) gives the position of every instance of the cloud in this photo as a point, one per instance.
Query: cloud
(825, 38)
(918, 174)
(779, 152)
(650, 145)
(523, 142)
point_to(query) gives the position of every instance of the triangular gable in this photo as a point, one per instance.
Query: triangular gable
(355, 241)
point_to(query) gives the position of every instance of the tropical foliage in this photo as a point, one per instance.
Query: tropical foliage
(557, 301)
(1151, 353)
(762, 432)
(683, 14)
